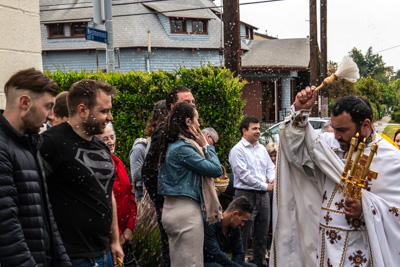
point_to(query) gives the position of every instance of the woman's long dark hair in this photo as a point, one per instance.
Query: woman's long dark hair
(156, 118)
(175, 124)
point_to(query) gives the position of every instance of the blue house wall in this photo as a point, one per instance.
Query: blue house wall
(131, 59)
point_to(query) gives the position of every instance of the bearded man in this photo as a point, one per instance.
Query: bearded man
(28, 232)
(81, 175)
(316, 225)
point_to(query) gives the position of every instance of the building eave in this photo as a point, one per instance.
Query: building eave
(288, 68)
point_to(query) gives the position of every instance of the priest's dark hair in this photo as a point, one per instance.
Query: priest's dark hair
(357, 107)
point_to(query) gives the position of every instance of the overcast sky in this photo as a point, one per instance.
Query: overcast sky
(351, 23)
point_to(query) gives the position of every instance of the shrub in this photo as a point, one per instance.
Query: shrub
(217, 94)
(340, 88)
(146, 241)
(382, 110)
(397, 117)
(396, 108)
(374, 111)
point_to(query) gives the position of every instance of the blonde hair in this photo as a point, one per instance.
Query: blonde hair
(271, 147)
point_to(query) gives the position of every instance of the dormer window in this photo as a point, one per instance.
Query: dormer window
(56, 30)
(78, 29)
(66, 30)
(199, 26)
(178, 25)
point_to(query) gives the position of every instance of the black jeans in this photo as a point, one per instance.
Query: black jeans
(259, 220)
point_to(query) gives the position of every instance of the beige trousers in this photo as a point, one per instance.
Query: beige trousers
(183, 223)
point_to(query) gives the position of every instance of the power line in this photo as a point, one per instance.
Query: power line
(390, 48)
(189, 9)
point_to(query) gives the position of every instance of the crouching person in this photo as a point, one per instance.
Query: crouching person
(226, 236)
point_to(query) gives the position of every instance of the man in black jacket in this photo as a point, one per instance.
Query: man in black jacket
(149, 169)
(28, 232)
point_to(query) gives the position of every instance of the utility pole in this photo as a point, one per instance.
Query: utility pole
(324, 50)
(232, 42)
(110, 40)
(313, 50)
(324, 57)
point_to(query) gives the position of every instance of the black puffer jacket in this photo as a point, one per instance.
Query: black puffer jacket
(27, 225)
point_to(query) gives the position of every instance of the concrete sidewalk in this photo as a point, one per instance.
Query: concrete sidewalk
(381, 124)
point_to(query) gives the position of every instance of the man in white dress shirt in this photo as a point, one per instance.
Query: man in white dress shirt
(254, 174)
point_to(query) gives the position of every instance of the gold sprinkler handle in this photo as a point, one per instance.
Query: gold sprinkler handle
(329, 80)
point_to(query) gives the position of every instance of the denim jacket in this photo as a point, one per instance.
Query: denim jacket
(180, 174)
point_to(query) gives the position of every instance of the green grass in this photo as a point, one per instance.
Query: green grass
(390, 130)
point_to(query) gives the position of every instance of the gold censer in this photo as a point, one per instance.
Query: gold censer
(351, 184)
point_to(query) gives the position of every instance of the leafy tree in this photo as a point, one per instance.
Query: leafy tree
(369, 88)
(397, 75)
(394, 86)
(370, 64)
(341, 87)
(332, 67)
(388, 95)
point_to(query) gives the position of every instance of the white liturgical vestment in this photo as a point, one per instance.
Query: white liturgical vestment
(309, 225)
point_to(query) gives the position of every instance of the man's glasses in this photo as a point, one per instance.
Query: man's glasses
(212, 140)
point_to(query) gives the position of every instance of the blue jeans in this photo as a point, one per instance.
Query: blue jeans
(103, 261)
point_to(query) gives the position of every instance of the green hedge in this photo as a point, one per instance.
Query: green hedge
(217, 94)
(396, 117)
(374, 111)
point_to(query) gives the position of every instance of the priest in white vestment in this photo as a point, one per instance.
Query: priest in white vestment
(313, 223)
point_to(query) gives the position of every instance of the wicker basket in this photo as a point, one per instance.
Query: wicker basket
(223, 182)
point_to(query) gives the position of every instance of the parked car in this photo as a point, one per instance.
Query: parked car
(316, 123)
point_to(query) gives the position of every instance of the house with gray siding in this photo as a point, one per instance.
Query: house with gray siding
(147, 36)
(152, 35)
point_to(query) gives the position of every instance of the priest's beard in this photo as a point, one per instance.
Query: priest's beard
(346, 146)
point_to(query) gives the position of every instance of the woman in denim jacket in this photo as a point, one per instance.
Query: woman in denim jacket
(187, 163)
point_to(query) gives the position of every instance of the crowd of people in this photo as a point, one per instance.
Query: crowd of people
(67, 200)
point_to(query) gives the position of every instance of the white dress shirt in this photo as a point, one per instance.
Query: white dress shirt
(251, 165)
